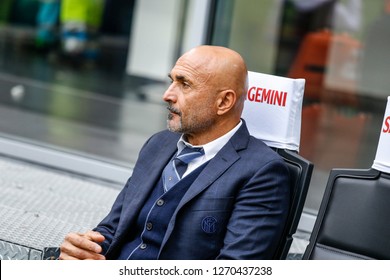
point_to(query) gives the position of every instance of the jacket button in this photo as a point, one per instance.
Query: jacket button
(149, 226)
(143, 246)
(160, 202)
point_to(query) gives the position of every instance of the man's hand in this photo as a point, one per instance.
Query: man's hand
(82, 246)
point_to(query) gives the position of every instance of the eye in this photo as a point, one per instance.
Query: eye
(170, 78)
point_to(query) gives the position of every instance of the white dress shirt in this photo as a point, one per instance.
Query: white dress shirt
(210, 149)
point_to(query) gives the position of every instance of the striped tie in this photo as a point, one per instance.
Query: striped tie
(174, 171)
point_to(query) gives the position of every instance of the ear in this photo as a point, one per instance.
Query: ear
(225, 101)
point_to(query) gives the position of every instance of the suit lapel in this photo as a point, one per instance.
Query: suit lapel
(217, 166)
(144, 178)
(214, 169)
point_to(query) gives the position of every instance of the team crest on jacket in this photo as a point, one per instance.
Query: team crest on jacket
(209, 224)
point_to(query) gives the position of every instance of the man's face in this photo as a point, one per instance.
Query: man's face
(191, 97)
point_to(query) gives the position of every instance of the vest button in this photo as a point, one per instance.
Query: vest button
(160, 202)
(143, 246)
(149, 226)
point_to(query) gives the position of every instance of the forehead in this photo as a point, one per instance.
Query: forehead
(193, 68)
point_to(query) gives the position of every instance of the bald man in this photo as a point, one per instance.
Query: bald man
(232, 200)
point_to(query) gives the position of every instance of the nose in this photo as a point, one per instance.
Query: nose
(170, 95)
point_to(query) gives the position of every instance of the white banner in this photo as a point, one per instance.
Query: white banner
(273, 109)
(207, 270)
(382, 158)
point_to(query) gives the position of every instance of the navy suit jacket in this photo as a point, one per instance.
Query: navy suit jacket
(235, 209)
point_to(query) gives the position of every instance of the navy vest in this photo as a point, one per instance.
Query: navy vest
(153, 220)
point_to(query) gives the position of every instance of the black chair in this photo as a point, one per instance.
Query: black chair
(300, 175)
(278, 124)
(353, 220)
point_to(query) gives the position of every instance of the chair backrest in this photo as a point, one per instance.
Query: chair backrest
(352, 222)
(272, 112)
(300, 175)
(273, 109)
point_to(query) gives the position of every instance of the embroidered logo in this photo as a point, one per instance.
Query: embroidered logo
(209, 224)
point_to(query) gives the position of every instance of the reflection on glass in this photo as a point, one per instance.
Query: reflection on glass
(342, 49)
(63, 80)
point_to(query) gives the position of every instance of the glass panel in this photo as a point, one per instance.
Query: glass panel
(63, 81)
(342, 49)
(251, 28)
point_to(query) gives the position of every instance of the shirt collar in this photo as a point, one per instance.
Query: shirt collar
(213, 147)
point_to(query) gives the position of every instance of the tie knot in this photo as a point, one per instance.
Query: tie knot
(174, 171)
(189, 153)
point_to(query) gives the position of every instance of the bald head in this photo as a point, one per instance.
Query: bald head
(225, 66)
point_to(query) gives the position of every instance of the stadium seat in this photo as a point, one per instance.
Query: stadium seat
(272, 112)
(352, 222)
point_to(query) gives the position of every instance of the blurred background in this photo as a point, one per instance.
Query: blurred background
(86, 77)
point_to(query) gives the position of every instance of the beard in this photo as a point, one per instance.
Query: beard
(195, 121)
(171, 124)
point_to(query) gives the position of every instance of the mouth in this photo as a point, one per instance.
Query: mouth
(173, 111)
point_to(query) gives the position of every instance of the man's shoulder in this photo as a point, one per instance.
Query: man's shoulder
(159, 143)
(164, 137)
(252, 148)
(165, 134)
(259, 149)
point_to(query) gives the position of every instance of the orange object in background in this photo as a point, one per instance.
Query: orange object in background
(310, 62)
(328, 63)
